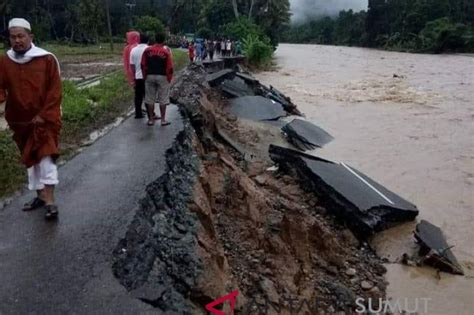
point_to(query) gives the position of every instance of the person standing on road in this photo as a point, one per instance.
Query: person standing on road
(228, 48)
(191, 52)
(210, 49)
(218, 47)
(132, 41)
(157, 68)
(198, 50)
(223, 47)
(204, 50)
(135, 65)
(238, 48)
(30, 77)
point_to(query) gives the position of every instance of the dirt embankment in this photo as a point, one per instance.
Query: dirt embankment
(217, 222)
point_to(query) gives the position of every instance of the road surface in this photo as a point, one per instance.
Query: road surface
(65, 267)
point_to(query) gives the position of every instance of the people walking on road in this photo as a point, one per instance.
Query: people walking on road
(133, 38)
(157, 68)
(30, 76)
(135, 65)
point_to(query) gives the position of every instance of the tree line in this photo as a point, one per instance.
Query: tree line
(87, 20)
(407, 25)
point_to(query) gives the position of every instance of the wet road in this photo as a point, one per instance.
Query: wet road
(65, 267)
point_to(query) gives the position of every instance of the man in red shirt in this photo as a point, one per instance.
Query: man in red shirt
(157, 68)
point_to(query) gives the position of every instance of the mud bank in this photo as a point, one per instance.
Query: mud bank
(219, 221)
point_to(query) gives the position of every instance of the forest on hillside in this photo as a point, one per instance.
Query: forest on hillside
(87, 20)
(406, 25)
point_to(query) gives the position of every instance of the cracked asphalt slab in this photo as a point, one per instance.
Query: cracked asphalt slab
(65, 266)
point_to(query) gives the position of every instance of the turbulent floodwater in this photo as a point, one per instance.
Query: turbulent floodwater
(407, 121)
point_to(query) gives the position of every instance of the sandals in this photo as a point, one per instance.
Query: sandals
(51, 212)
(150, 123)
(34, 204)
(165, 123)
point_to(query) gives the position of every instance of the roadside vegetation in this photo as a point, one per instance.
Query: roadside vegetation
(84, 53)
(257, 46)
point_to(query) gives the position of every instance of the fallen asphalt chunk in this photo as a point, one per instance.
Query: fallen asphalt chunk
(434, 249)
(212, 66)
(247, 77)
(277, 96)
(364, 205)
(214, 79)
(234, 61)
(256, 108)
(305, 135)
(236, 87)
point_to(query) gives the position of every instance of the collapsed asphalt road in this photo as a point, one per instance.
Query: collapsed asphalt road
(66, 266)
(144, 230)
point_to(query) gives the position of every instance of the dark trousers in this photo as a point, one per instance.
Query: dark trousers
(139, 96)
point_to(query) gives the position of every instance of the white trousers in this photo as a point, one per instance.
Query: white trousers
(43, 173)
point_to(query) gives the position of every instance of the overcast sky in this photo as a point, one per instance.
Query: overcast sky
(302, 9)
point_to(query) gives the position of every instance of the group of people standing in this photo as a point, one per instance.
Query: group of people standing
(149, 70)
(202, 49)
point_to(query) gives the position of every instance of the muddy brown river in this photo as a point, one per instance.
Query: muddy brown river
(406, 120)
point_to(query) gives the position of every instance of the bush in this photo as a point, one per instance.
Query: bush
(257, 51)
(149, 24)
(243, 28)
(442, 35)
(13, 174)
(205, 33)
(257, 46)
(75, 104)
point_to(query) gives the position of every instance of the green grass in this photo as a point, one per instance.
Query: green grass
(180, 59)
(13, 174)
(90, 108)
(81, 53)
(102, 52)
(61, 50)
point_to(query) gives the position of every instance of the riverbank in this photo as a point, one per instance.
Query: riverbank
(406, 120)
(224, 219)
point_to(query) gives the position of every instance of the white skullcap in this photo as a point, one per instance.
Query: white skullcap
(18, 22)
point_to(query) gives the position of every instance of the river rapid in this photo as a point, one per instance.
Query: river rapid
(407, 121)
